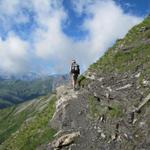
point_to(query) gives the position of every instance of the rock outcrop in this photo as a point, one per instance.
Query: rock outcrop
(64, 140)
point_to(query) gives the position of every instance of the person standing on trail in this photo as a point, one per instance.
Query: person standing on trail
(74, 72)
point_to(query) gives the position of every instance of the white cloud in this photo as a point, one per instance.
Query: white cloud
(13, 55)
(11, 13)
(106, 23)
(104, 28)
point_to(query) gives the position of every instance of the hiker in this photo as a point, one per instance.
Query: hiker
(74, 72)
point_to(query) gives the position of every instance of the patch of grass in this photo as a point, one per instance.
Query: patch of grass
(101, 65)
(115, 111)
(95, 108)
(147, 34)
(83, 81)
(9, 123)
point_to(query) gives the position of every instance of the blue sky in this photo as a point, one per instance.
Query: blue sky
(136, 7)
(45, 35)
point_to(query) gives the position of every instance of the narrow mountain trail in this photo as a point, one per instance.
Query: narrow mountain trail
(100, 115)
(71, 115)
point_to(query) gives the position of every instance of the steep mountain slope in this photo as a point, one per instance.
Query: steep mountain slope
(14, 91)
(111, 110)
(25, 126)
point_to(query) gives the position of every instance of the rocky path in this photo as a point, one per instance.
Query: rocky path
(116, 125)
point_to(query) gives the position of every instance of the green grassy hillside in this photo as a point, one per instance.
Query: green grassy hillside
(128, 54)
(25, 126)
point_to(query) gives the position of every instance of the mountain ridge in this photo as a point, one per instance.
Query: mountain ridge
(111, 109)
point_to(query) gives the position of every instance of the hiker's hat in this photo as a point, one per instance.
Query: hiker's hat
(73, 60)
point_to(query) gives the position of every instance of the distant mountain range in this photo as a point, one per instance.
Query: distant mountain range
(25, 76)
(17, 89)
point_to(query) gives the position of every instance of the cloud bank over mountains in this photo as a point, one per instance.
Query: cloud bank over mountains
(32, 35)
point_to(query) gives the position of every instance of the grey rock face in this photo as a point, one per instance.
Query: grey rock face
(112, 126)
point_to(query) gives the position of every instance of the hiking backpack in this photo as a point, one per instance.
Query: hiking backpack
(75, 68)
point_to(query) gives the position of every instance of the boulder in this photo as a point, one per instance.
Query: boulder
(65, 140)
